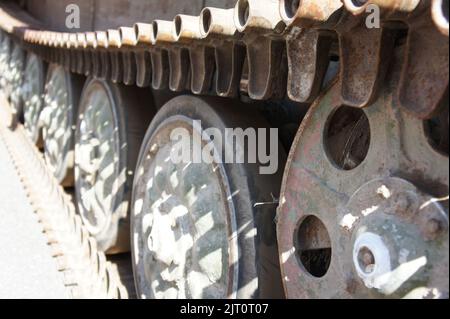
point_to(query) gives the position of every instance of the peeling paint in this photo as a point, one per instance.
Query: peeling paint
(384, 191)
(348, 220)
(368, 211)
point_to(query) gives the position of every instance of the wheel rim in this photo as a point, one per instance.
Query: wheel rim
(57, 124)
(202, 263)
(32, 93)
(98, 180)
(375, 230)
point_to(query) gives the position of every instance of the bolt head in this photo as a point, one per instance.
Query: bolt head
(366, 259)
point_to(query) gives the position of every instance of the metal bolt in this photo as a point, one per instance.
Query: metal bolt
(366, 259)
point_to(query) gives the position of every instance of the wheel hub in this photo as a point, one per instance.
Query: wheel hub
(393, 252)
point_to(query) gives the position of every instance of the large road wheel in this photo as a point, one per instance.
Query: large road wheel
(5, 53)
(111, 125)
(15, 78)
(33, 91)
(203, 230)
(62, 91)
(364, 203)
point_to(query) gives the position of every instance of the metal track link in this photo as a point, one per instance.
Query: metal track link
(279, 48)
(87, 273)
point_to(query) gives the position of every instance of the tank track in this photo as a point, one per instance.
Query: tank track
(286, 49)
(86, 272)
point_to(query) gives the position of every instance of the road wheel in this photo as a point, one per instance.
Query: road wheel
(33, 91)
(5, 53)
(62, 91)
(111, 125)
(203, 230)
(15, 78)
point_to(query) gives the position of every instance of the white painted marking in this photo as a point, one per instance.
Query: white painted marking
(348, 220)
(368, 211)
(384, 191)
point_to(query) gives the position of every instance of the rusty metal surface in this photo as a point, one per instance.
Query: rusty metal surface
(262, 27)
(364, 56)
(424, 79)
(308, 57)
(365, 198)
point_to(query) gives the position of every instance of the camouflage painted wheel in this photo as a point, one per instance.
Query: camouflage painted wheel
(111, 124)
(5, 53)
(197, 230)
(33, 91)
(15, 78)
(62, 91)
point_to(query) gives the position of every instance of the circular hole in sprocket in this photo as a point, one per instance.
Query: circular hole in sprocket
(313, 246)
(347, 137)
